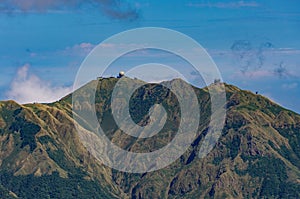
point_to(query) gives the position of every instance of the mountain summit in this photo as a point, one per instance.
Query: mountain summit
(257, 155)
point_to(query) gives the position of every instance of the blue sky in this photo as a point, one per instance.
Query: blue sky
(255, 44)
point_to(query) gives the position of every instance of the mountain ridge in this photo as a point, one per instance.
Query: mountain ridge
(257, 133)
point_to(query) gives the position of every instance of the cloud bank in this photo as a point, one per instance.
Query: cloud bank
(263, 60)
(114, 9)
(28, 88)
(249, 56)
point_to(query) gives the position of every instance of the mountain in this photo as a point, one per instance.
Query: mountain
(257, 155)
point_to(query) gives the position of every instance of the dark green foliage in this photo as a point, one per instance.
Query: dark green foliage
(287, 153)
(45, 139)
(108, 123)
(6, 114)
(249, 107)
(17, 111)
(289, 190)
(139, 105)
(274, 108)
(104, 89)
(232, 102)
(59, 157)
(52, 186)
(292, 133)
(27, 130)
(48, 186)
(234, 146)
(217, 160)
(147, 96)
(4, 193)
(235, 122)
(247, 157)
(272, 172)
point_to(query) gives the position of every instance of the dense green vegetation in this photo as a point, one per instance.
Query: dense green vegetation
(292, 133)
(4, 193)
(272, 172)
(27, 130)
(234, 146)
(51, 186)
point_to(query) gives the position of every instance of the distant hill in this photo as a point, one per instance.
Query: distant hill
(257, 156)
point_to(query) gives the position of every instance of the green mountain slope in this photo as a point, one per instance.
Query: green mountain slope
(257, 156)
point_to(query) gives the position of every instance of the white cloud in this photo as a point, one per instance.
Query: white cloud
(82, 49)
(29, 88)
